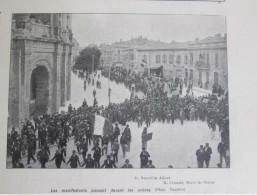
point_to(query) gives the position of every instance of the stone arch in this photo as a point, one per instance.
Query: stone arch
(40, 88)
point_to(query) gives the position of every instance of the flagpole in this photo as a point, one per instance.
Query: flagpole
(149, 65)
(93, 65)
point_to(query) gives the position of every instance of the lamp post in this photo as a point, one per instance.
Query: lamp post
(109, 90)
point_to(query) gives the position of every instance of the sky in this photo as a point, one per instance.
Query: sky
(109, 28)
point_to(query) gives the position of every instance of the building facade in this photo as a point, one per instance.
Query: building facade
(204, 62)
(40, 65)
(107, 56)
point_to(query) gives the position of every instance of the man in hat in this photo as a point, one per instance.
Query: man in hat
(43, 157)
(14, 134)
(88, 134)
(144, 143)
(70, 108)
(144, 155)
(36, 121)
(89, 162)
(200, 156)
(97, 155)
(30, 151)
(62, 145)
(207, 154)
(108, 163)
(222, 151)
(116, 130)
(123, 143)
(58, 157)
(84, 147)
(74, 160)
(127, 132)
(115, 150)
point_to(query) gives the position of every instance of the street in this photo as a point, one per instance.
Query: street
(172, 144)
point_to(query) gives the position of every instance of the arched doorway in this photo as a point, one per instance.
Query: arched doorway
(39, 90)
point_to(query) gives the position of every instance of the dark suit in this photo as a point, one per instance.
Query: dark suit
(58, 159)
(74, 161)
(108, 164)
(144, 158)
(97, 156)
(200, 158)
(207, 155)
(89, 162)
(222, 151)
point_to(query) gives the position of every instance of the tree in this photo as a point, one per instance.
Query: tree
(88, 59)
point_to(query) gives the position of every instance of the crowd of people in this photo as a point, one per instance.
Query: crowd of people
(156, 105)
(38, 135)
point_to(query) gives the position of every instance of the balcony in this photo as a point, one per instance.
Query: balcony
(202, 65)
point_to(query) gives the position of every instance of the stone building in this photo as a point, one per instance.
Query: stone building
(106, 55)
(40, 65)
(204, 62)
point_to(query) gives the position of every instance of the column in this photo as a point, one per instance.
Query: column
(69, 73)
(63, 76)
(56, 79)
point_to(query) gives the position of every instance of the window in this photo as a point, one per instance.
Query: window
(171, 59)
(145, 58)
(216, 60)
(185, 59)
(200, 57)
(191, 75)
(164, 59)
(132, 57)
(207, 59)
(158, 59)
(178, 60)
(191, 59)
(200, 77)
(207, 77)
(186, 73)
(216, 78)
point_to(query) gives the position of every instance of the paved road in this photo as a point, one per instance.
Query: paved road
(171, 145)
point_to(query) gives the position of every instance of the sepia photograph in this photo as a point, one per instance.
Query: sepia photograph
(118, 91)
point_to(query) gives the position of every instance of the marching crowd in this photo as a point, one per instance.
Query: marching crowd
(58, 128)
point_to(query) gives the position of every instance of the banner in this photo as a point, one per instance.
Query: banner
(147, 137)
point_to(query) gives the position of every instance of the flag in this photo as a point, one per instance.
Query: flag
(101, 125)
(147, 137)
